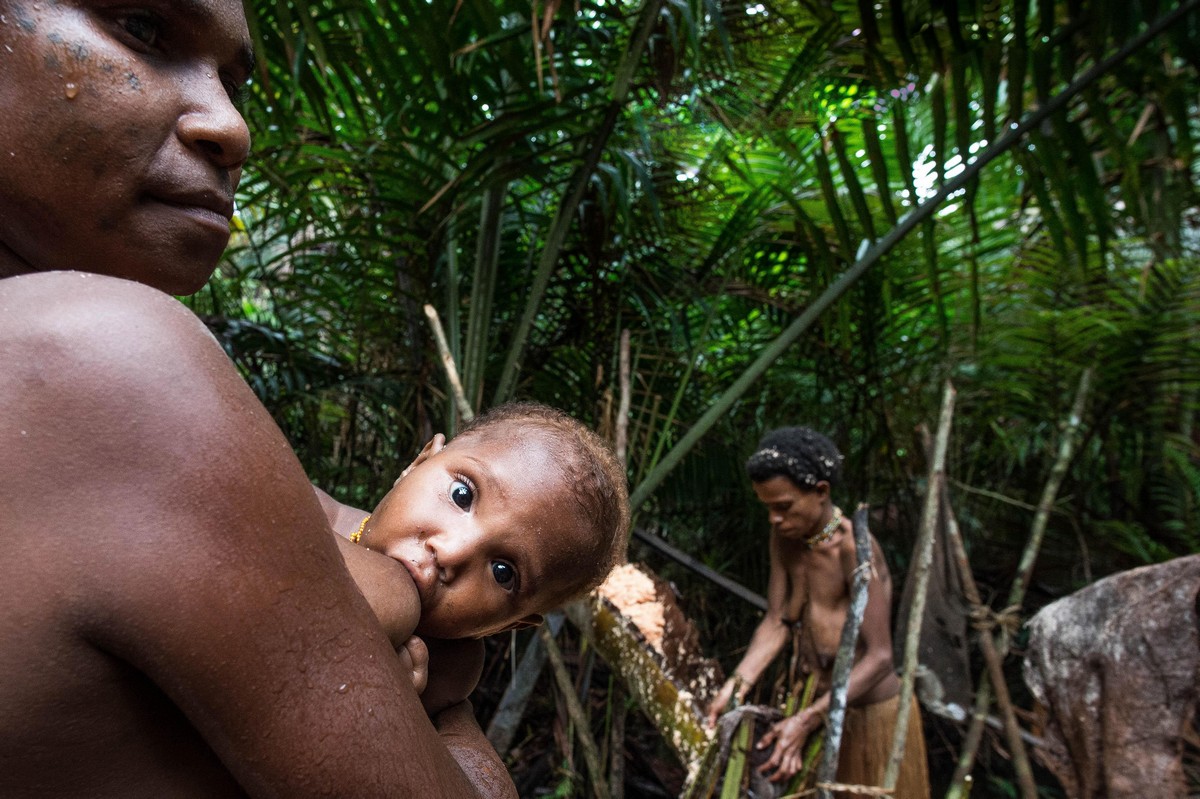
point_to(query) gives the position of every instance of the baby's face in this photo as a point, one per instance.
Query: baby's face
(488, 530)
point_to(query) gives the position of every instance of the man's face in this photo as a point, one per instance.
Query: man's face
(120, 146)
(488, 529)
(794, 513)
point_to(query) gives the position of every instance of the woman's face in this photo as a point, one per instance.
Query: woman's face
(120, 144)
(794, 512)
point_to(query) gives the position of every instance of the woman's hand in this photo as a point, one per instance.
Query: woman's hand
(735, 686)
(788, 736)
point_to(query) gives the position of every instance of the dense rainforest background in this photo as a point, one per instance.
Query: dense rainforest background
(795, 213)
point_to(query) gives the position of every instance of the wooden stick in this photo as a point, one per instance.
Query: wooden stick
(591, 753)
(616, 699)
(845, 656)
(1066, 448)
(971, 741)
(439, 336)
(621, 445)
(923, 559)
(616, 754)
(987, 645)
(511, 710)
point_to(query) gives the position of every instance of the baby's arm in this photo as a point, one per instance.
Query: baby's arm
(454, 670)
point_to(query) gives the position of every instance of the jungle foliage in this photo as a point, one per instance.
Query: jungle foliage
(699, 172)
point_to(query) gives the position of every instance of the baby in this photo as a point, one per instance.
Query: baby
(523, 511)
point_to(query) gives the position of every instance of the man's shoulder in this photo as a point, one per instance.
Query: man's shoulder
(97, 339)
(87, 308)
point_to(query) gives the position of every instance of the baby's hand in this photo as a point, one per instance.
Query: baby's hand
(414, 658)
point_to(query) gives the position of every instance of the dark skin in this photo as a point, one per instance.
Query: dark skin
(177, 620)
(813, 586)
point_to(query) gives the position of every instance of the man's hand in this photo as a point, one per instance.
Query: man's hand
(414, 659)
(788, 736)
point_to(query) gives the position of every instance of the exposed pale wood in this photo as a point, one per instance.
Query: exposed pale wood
(844, 661)
(456, 388)
(922, 558)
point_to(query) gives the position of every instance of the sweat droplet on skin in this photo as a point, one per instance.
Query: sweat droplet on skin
(70, 91)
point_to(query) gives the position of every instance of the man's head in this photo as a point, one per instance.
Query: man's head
(793, 470)
(524, 510)
(120, 145)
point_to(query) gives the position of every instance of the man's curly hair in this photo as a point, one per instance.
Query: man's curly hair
(800, 454)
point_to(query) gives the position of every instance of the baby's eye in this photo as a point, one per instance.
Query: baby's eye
(504, 574)
(462, 494)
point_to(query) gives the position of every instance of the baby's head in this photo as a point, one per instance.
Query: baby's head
(524, 510)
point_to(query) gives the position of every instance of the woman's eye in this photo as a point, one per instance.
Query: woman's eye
(504, 574)
(461, 494)
(145, 28)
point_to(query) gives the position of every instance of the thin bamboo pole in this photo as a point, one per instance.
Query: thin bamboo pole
(1066, 447)
(456, 387)
(844, 661)
(923, 558)
(591, 753)
(987, 646)
(621, 444)
(616, 699)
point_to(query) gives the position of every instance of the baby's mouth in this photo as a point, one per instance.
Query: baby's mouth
(420, 578)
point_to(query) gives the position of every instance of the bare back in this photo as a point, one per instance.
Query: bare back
(178, 619)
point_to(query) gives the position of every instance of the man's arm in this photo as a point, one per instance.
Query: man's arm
(768, 640)
(470, 747)
(199, 553)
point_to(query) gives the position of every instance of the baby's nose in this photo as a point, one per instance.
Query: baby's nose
(450, 552)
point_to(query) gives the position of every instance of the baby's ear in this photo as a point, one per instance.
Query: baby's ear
(431, 448)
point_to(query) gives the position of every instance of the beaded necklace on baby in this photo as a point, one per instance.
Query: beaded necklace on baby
(356, 536)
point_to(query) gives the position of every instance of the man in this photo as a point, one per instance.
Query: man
(812, 564)
(176, 619)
